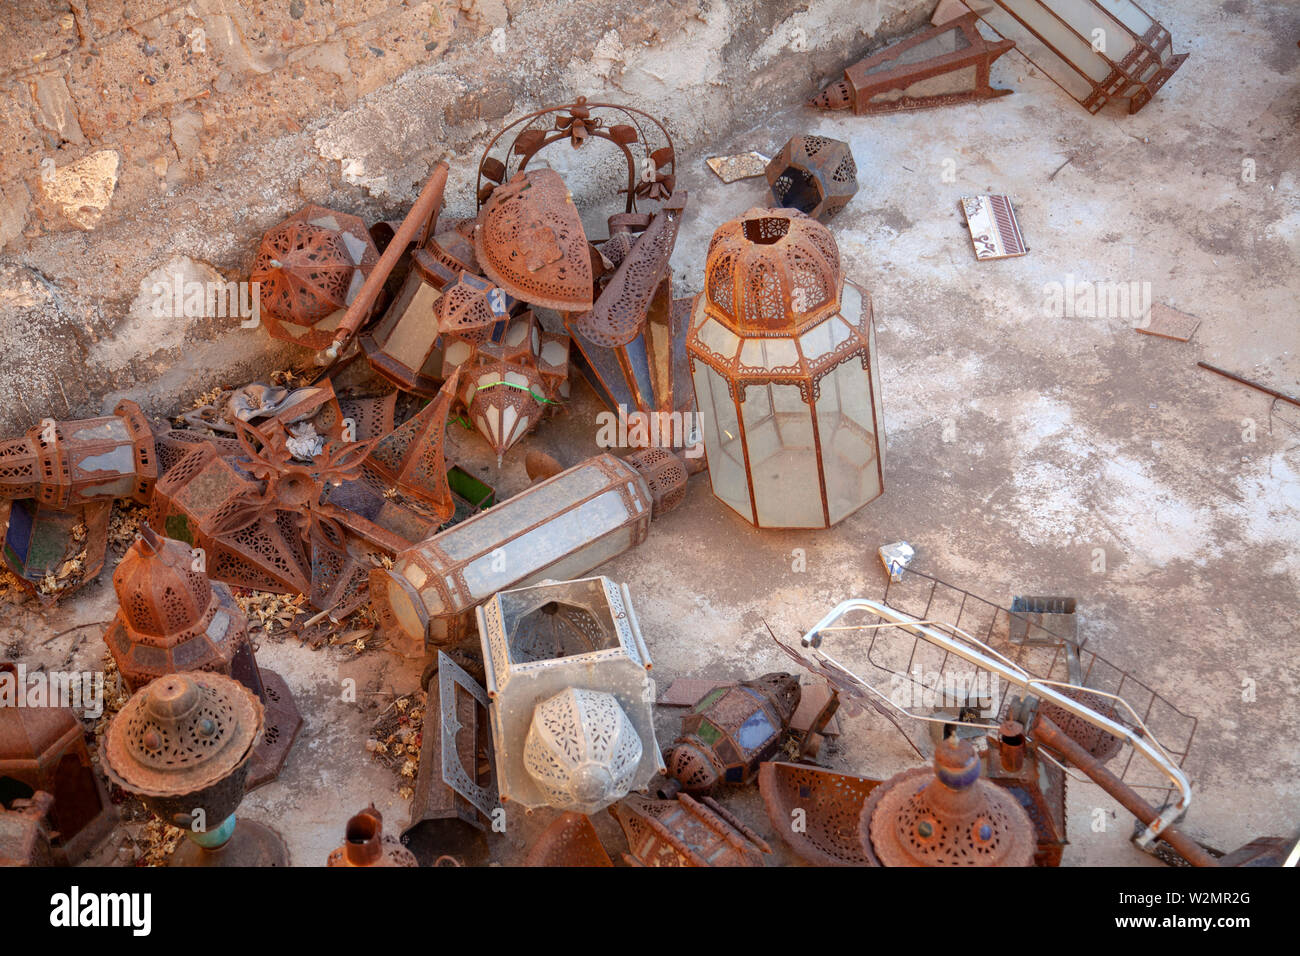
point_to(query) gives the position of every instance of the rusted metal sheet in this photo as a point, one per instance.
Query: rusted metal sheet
(945, 816)
(1168, 323)
(570, 841)
(826, 805)
(686, 832)
(940, 66)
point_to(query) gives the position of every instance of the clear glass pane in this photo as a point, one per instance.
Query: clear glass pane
(847, 433)
(782, 457)
(720, 431)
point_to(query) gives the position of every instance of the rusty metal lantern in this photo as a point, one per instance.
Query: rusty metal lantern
(172, 618)
(59, 482)
(308, 270)
(44, 749)
(1131, 63)
(783, 356)
(686, 832)
(813, 174)
(629, 341)
(184, 744)
(945, 816)
(455, 789)
(366, 844)
(559, 528)
(731, 731)
(504, 398)
(940, 66)
(25, 832)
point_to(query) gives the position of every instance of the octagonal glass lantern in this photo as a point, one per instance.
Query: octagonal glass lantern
(783, 359)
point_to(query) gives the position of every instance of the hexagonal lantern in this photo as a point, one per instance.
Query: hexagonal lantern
(783, 358)
(814, 174)
(309, 268)
(568, 677)
(731, 731)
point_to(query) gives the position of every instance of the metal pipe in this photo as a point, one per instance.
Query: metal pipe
(422, 216)
(983, 656)
(1049, 735)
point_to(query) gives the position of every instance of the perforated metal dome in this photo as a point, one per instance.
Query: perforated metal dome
(582, 750)
(157, 586)
(182, 733)
(771, 270)
(946, 817)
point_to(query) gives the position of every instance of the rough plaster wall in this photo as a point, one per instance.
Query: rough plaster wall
(135, 133)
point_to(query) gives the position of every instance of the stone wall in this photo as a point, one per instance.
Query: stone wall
(141, 138)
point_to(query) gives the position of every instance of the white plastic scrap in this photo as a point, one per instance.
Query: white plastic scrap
(896, 557)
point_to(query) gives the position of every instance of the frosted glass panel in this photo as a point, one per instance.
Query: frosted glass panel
(544, 545)
(720, 430)
(844, 424)
(507, 519)
(782, 458)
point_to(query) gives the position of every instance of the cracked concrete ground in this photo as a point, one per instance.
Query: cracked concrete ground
(1019, 442)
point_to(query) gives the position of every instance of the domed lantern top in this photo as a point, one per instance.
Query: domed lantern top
(159, 589)
(771, 271)
(181, 734)
(170, 616)
(582, 750)
(946, 817)
(784, 365)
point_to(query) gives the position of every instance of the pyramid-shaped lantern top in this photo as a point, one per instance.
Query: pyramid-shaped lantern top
(158, 587)
(771, 271)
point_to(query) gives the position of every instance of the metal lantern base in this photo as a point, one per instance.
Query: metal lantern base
(283, 721)
(253, 844)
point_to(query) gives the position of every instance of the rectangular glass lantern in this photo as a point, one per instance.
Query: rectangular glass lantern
(559, 528)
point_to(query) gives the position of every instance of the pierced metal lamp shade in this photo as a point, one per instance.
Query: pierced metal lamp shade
(582, 750)
(170, 617)
(530, 241)
(183, 742)
(945, 817)
(309, 268)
